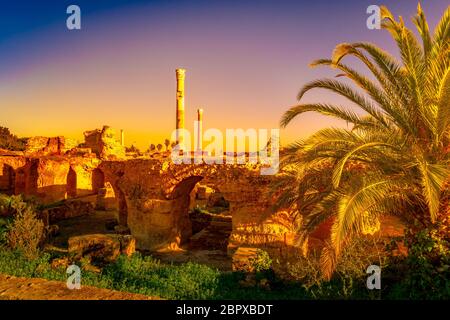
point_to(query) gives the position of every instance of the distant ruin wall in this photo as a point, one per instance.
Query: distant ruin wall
(44, 146)
(104, 143)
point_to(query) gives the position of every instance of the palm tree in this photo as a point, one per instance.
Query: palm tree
(396, 157)
(167, 144)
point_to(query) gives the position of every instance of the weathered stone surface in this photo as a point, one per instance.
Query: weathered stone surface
(242, 259)
(104, 143)
(127, 245)
(101, 248)
(44, 146)
(215, 235)
(68, 210)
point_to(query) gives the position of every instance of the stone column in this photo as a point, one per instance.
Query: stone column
(200, 130)
(180, 104)
(122, 138)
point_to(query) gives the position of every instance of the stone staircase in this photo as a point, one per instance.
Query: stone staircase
(214, 236)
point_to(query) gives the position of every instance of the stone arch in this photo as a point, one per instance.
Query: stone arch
(98, 180)
(181, 197)
(184, 187)
(71, 187)
(211, 220)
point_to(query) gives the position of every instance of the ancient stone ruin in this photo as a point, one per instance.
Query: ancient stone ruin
(152, 197)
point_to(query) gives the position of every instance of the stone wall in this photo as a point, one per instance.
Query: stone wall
(44, 146)
(104, 143)
(157, 195)
(49, 178)
(153, 196)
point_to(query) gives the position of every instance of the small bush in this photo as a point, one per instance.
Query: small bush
(349, 279)
(3, 230)
(262, 262)
(26, 232)
(10, 204)
(425, 272)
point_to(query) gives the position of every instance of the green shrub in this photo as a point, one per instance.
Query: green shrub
(425, 272)
(349, 279)
(26, 232)
(262, 262)
(146, 275)
(3, 230)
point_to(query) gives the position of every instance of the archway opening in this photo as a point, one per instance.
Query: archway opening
(71, 187)
(181, 195)
(7, 180)
(211, 220)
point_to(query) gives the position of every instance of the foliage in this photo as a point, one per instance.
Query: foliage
(146, 275)
(262, 261)
(425, 272)
(167, 144)
(150, 277)
(26, 232)
(349, 279)
(133, 149)
(9, 141)
(3, 230)
(394, 159)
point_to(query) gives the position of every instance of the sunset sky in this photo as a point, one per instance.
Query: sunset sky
(245, 62)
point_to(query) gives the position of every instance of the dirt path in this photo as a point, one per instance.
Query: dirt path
(14, 288)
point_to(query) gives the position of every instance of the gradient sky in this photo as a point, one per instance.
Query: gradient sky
(245, 61)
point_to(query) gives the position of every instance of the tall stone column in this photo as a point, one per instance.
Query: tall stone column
(122, 138)
(180, 104)
(200, 130)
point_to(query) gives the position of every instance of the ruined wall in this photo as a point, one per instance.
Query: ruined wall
(153, 196)
(157, 196)
(104, 143)
(50, 178)
(44, 146)
(8, 172)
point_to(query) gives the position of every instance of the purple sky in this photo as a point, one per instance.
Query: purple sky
(245, 61)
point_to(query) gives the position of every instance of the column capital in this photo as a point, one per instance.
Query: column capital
(180, 73)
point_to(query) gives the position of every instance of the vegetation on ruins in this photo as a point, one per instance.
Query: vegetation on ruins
(396, 157)
(10, 141)
(25, 232)
(262, 261)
